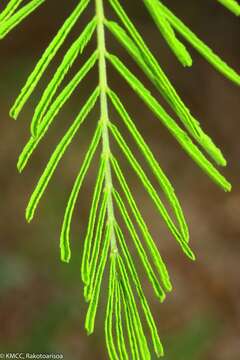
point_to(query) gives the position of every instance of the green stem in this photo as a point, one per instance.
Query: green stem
(104, 114)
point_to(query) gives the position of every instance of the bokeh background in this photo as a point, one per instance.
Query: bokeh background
(41, 300)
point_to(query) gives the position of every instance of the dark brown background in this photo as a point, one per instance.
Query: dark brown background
(41, 301)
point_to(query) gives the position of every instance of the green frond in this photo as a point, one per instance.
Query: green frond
(54, 110)
(65, 232)
(92, 309)
(46, 58)
(200, 46)
(159, 292)
(231, 5)
(105, 242)
(9, 20)
(145, 307)
(160, 266)
(59, 152)
(71, 55)
(170, 124)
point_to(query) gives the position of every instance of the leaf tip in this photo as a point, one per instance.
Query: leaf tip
(187, 61)
(13, 113)
(85, 276)
(228, 187)
(168, 285)
(87, 293)
(89, 326)
(65, 256)
(28, 215)
(19, 167)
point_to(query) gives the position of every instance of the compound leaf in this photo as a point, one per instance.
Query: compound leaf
(105, 241)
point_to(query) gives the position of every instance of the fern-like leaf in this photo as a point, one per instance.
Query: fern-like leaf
(105, 241)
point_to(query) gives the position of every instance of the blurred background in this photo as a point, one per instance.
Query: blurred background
(41, 300)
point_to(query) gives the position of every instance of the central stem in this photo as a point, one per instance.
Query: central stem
(104, 113)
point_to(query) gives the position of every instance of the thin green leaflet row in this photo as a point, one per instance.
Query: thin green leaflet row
(123, 276)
